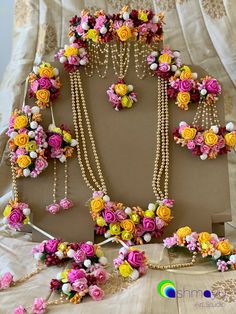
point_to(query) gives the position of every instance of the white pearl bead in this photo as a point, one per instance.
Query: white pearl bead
(87, 263)
(173, 68)
(134, 275)
(82, 62)
(153, 66)
(130, 88)
(176, 54)
(55, 72)
(26, 172)
(31, 134)
(62, 158)
(147, 237)
(70, 253)
(194, 75)
(62, 59)
(229, 126)
(106, 198)
(103, 30)
(203, 92)
(155, 19)
(35, 109)
(26, 211)
(103, 260)
(33, 155)
(215, 129)
(85, 26)
(125, 16)
(66, 288)
(13, 134)
(203, 156)
(33, 125)
(128, 210)
(151, 206)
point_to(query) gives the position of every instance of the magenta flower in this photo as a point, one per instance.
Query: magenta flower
(80, 285)
(205, 149)
(139, 230)
(20, 310)
(169, 242)
(55, 141)
(6, 280)
(88, 249)
(168, 202)
(51, 246)
(40, 164)
(97, 194)
(39, 306)
(164, 67)
(199, 139)
(34, 86)
(150, 59)
(149, 224)
(53, 208)
(109, 216)
(45, 83)
(15, 219)
(136, 258)
(74, 60)
(79, 256)
(213, 86)
(66, 203)
(185, 85)
(96, 293)
(191, 144)
(159, 223)
(101, 275)
(75, 274)
(56, 152)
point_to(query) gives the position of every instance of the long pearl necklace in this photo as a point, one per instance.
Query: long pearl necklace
(96, 181)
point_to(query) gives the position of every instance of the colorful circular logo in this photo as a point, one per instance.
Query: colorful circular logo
(166, 289)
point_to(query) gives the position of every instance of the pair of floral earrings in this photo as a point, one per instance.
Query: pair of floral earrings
(31, 147)
(205, 136)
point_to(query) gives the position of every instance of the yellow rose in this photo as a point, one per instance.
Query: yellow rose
(125, 269)
(114, 228)
(100, 221)
(71, 51)
(188, 133)
(46, 71)
(7, 211)
(31, 146)
(142, 16)
(125, 235)
(183, 232)
(64, 275)
(97, 204)
(67, 137)
(121, 89)
(224, 247)
(126, 102)
(21, 139)
(183, 98)
(165, 58)
(57, 130)
(135, 218)
(128, 225)
(204, 237)
(210, 138)
(230, 139)
(124, 33)
(185, 68)
(43, 95)
(23, 161)
(164, 212)
(149, 213)
(186, 75)
(92, 34)
(20, 122)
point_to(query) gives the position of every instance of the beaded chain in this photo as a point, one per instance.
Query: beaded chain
(206, 115)
(79, 109)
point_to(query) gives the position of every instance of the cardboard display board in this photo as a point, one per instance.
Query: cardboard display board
(126, 146)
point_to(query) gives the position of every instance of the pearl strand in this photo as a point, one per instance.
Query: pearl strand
(14, 184)
(155, 266)
(54, 180)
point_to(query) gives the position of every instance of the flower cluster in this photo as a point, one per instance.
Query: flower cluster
(16, 214)
(72, 56)
(206, 244)
(6, 280)
(131, 263)
(39, 307)
(136, 224)
(44, 84)
(165, 62)
(121, 95)
(60, 143)
(27, 142)
(209, 89)
(85, 276)
(142, 25)
(207, 144)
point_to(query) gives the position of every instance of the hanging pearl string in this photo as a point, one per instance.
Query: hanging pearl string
(66, 178)
(14, 183)
(156, 266)
(206, 116)
(54, 180)
(101, 56)
(141, 52)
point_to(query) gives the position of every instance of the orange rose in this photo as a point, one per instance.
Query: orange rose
(210, 138)
(230, 139)
(204, 237)
(124, 33)
(43, 95)
(224, 247)
(121, 89)
(46, 71)
(20, 122)
(185, 75)
(21, 140)
(183, 232)
(23, 161)
(183, 98)
(97, 204)
(165, 58)
(188, 133)
(128, 225)
(164, 212)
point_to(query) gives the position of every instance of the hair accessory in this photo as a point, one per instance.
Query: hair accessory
(121, 95)
(220, 250)
(44, 84)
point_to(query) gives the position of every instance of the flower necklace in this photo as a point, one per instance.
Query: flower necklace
(113, 218)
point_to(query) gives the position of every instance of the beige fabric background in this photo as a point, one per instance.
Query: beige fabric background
(40, 28)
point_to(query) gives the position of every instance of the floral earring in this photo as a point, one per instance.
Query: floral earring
(45, 88)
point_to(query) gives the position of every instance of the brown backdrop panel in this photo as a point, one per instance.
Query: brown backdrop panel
(126, 146)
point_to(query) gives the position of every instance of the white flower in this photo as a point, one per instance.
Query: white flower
(62, 158)
(70, 253)
(13, 134)
(87, 263)
(154, 53)
(31, 134)
(107, 234)
(59, 254)
(73, 143)
(183, 123)
(85, 26)
(103, 30)
(147, 237)
(215, 129)
(59, 275)
(106, 198)
(35, 109)
(203, 92)
(33, 155)
(153, 66)
(33, 125)
(26, 172)
(128, 210)
(72, 39)
(66, 288)
(62, 59)
(55, 72)
(176, 54)
(177, 73)
(194, 75)
(151, 207)
(134, 275)
(203, 156)
(229, 126)
(26, 211)
(173, 68)
(130, 88)
(216, 254)
(103, 260)
(155, 19)
(232, 258)
(82, 62)
(126, 16)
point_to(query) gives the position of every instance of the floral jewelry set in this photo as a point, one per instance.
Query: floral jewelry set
(92, 38)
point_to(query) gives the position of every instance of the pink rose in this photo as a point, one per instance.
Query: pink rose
(66, 203)
(27, 109)
(34, 86)
(39, 306)
(20, 310)
(15, 219)
(150, 59)
(44, 83)
(75, 274)
(6, 280)
(142, 269)
(53, 208)
(168, 202)
(88, 249)
(149, 224)
(20, 151)
(97, 194)
(191, 144)
(96, 293)
(55, 83)
(100, 22)
(51, 246)
(139, 231)
(164, 67)
(142, 29)
(169, 242)
(117, 24)
(79, 30)
(113, 98)
(213, 86)
(38, 248)
(79, 256)
(136, 258)
(109, 216)
(215, 148)
(34, 173)
(55, 141)
(73, 60)
(204, 149)
(199, 139)
(101, 275)
(129, 23)
(185, 85)
(56, 152)
(221, 142)
(152, 27)
(120, 214)
(159, 223)
(80, 285)
(40, 164)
